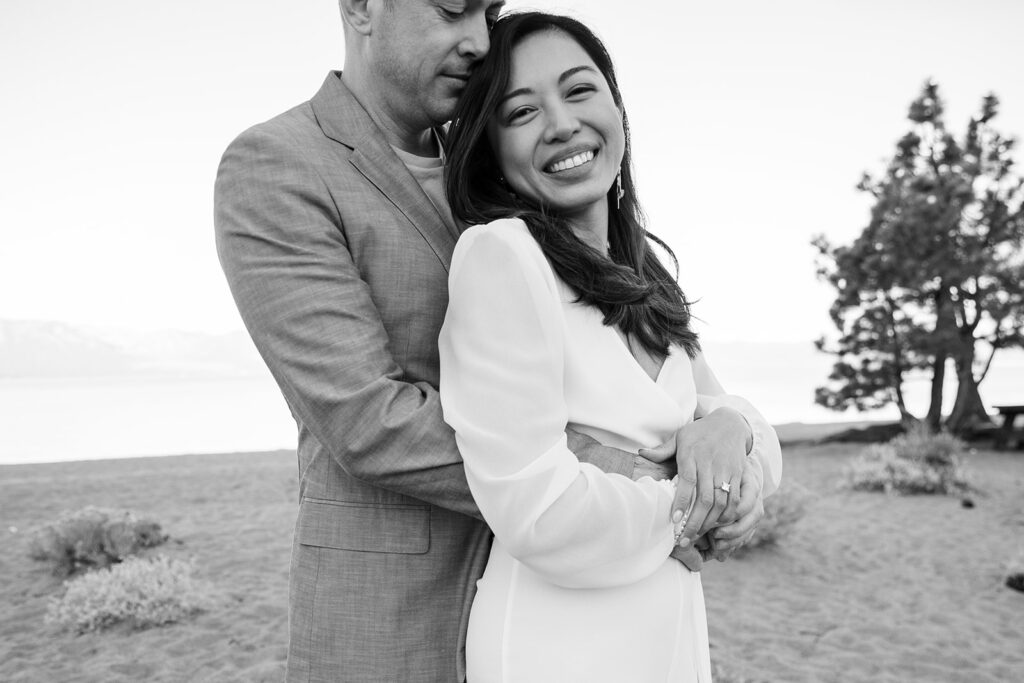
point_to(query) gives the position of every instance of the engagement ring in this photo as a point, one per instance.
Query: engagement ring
(726, 486)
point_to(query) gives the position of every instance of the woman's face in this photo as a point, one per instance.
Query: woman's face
(558, 134)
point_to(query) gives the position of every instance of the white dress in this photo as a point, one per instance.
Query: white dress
(579, 585)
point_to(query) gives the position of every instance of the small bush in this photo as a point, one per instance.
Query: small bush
(940, 449)
(915, 462)
(782, 511)
(141, 592)
(93, 537)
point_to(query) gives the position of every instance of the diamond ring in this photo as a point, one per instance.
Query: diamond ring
(726, 486)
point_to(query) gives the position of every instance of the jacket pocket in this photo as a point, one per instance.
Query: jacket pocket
(366, 527)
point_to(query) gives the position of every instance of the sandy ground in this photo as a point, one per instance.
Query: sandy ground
(867, 587)
(870, 587)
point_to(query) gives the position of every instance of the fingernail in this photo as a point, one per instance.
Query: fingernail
(677, 516)
(684, 542)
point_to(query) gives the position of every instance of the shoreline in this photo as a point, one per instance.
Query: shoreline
(790, 434)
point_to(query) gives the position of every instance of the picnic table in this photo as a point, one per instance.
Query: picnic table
(1006, 434)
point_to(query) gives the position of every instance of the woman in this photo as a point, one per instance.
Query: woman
(560, 315)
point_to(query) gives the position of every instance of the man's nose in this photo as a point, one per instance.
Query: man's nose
(477, 40)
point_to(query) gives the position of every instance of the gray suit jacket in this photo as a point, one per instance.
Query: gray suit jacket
(338, 263)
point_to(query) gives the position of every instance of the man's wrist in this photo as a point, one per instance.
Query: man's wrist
(605, 458)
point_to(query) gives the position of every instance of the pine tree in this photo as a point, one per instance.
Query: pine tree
(937, 274)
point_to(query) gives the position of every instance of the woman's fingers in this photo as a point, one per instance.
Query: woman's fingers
(703, 503)
(743, 496)
(749, 491)
(712, 462)
(733, 499)
(730, 537)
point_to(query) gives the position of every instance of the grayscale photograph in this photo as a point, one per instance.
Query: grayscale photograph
(509, 341)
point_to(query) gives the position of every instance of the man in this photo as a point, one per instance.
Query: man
(335, 236)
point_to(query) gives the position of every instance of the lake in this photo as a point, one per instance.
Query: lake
(50, 420)
(60, 419)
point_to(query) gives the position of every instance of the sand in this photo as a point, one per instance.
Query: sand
(867, 587)
(870, 587)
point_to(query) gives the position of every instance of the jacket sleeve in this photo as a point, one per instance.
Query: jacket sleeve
(502, 390)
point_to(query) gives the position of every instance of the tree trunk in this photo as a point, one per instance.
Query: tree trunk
(934, 417)
(944, 334)
(968, 410)
(907, 419)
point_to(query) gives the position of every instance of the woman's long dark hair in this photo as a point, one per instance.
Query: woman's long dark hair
(631, 286)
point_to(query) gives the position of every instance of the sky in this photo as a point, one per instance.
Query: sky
(752, 123)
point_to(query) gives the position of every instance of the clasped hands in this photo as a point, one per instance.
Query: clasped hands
(709, 453)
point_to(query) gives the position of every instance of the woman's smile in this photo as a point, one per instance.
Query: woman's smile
(577, 160)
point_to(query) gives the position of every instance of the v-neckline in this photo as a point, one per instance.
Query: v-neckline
(623, 341)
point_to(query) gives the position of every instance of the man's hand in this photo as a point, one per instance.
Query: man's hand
(710, 452)
(692, 557)
(608, 459)
(642, 467)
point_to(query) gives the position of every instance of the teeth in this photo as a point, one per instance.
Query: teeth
(571, 162)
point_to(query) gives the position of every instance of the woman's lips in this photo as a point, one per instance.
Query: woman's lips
(574, 161)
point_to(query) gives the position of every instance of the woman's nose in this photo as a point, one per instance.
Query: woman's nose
(562, 124)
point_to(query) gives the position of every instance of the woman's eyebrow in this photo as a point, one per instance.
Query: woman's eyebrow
(514, 93)
(576, 69)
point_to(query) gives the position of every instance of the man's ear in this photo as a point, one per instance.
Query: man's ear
(356, 13)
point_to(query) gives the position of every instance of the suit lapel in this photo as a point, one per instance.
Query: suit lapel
(344, 120)
(383, 168)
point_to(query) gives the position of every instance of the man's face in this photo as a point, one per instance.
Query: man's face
(423, 53)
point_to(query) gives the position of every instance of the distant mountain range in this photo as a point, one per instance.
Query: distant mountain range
(779, 376)
(30, 348)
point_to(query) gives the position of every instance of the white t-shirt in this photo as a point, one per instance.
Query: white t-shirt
(429, 173)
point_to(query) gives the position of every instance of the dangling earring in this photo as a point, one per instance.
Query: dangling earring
(507, 187)
(619, 192)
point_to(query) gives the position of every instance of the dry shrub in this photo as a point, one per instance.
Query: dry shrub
(93, 537)
(916, 462)
(782, 510)
(139, 592)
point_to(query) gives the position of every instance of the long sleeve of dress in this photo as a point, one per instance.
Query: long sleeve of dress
(502, 352)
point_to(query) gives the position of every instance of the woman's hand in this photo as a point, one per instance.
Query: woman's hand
(750, 508)
(711, 456)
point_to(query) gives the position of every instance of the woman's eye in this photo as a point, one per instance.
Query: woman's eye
(580, 90)
(519, 114)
